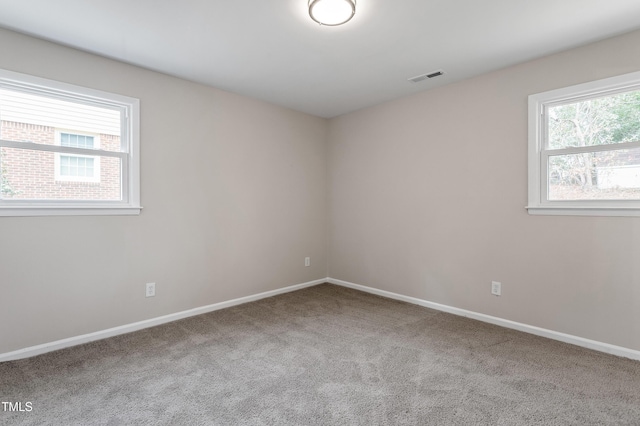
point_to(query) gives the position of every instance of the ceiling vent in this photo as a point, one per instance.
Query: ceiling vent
(421, 77)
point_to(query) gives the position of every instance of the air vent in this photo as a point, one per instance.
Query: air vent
(421, 77)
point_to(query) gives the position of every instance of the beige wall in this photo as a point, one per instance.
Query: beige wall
(233, 191)
(427, 197)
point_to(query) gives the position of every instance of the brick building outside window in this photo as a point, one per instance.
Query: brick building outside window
(42, 175)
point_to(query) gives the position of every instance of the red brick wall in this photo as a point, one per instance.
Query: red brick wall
(32, 173)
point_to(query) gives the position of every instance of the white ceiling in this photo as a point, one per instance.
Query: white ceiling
(272, 50)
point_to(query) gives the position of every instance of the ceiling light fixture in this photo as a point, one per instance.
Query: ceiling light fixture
(332, 12)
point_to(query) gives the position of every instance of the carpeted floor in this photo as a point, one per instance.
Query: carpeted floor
(325, 355)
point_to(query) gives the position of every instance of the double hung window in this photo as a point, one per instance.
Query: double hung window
(66, 149)
(584, 149)
(80, 168)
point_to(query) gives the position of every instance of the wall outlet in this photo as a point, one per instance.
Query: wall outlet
(150, 290)
(496, 288)
(307, 261)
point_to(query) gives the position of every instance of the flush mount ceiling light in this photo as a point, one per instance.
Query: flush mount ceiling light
(332, 12)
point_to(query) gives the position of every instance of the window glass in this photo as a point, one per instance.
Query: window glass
(76, 141)
(66, 148)
(25, 179)
(599, 121)
(600, 175)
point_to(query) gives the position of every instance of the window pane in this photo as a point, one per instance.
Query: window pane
(604, 175)
(34, 118)
(73, 165)
(30, 175)
(77, 141)
(599, 121)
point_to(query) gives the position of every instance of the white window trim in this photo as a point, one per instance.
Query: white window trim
(96, 160)
(538, 103)
(130, 135)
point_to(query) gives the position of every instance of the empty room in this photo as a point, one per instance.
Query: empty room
(319, 212)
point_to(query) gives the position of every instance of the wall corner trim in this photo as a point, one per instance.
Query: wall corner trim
(550, 334)
(128, 328)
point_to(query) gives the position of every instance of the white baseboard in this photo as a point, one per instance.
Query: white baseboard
(128, 328)
(567, 338)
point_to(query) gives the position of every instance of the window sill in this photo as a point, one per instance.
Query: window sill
(21, 211)
(583, 211)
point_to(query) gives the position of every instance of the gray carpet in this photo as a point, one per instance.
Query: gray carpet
(325, 355)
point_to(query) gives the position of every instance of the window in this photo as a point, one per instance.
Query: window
(79, 168)
(76, 167)
(584, 149)
(66, 149)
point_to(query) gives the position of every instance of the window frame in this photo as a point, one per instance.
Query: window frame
(129, 155)
(538, 154)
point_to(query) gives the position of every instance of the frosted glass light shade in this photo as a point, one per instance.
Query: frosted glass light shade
(332, 12)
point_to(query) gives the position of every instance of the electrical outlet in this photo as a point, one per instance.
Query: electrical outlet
(496, 288)
(150, 290)
(307, 261)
